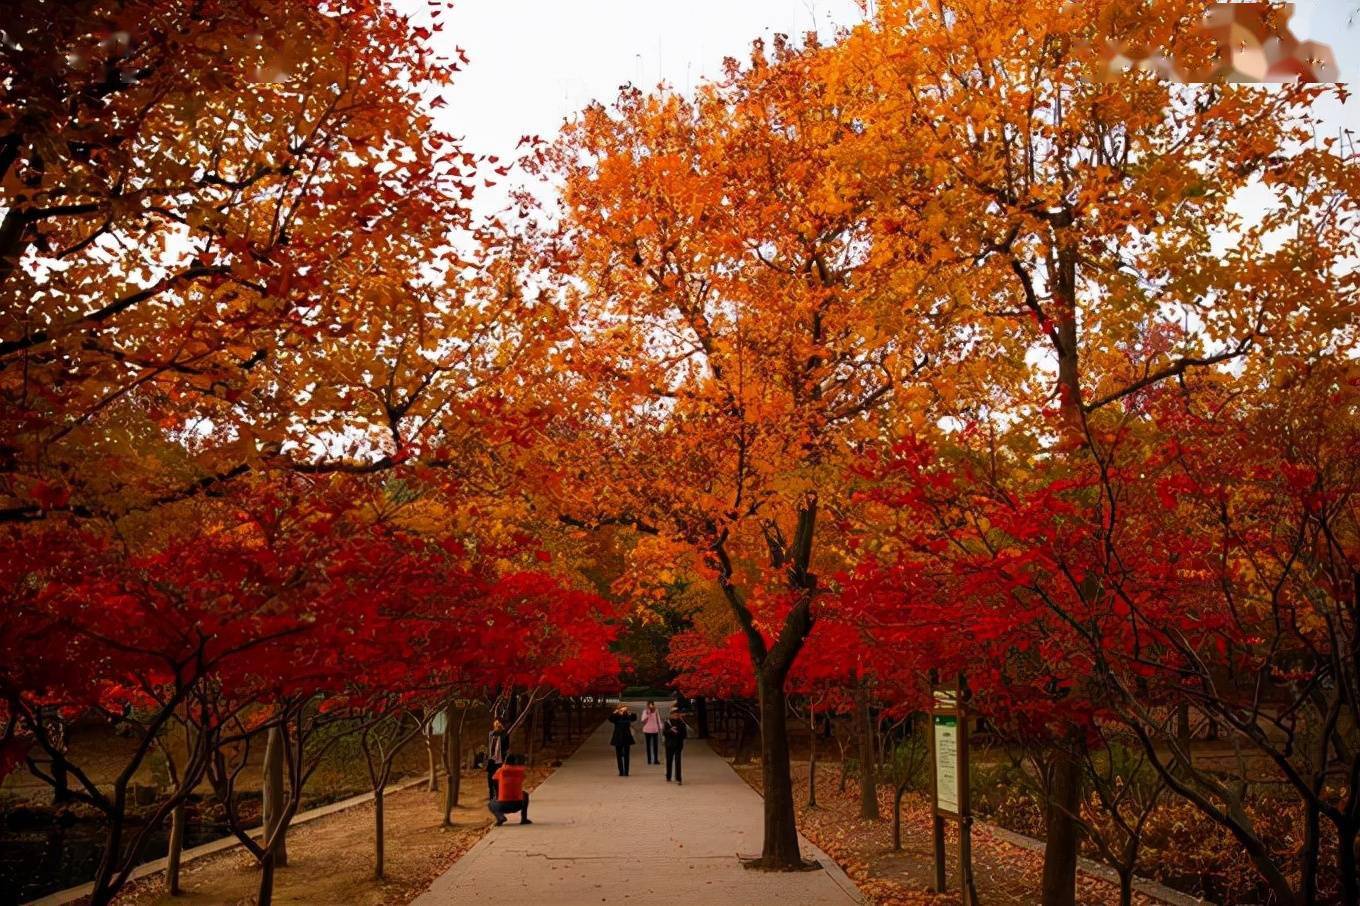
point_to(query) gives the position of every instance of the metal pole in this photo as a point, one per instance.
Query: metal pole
(965, 802)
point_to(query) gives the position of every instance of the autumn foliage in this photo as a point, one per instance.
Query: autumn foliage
(925, 350)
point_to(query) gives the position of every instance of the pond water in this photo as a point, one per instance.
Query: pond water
(34, 863)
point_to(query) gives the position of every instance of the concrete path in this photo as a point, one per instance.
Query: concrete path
(601, 838)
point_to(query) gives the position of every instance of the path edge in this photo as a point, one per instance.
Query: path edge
(832, 868)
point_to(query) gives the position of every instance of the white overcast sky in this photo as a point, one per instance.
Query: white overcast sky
(533, 63)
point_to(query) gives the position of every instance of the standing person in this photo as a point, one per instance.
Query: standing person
(622, 740)
(676, 732)
(510, 796)
(651, 732)
(497, 748)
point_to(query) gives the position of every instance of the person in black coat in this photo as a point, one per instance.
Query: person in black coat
(497, 749)
(622, 740)
(675, 731)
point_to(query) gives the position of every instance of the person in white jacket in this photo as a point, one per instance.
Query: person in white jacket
(651, 732)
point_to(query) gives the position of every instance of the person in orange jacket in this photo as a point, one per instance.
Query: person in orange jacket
(510, 794)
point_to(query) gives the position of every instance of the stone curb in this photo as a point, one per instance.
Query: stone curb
(834, 870)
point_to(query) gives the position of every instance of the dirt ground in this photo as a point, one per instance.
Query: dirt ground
(330, 860)
(1005, 874)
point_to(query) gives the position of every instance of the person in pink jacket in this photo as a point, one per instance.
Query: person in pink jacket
(651, 732)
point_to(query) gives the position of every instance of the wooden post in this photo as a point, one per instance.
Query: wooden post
(936, 819)
(937, 845)
(966, 861)
(966, 886)
(949, 717)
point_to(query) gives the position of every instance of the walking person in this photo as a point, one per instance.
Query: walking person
(675, 731)
(622, 740)
(497, 748)
(651, 732)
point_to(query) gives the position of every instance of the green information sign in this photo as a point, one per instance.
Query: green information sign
(947, 763)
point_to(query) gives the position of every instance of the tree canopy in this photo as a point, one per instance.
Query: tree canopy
(935, 349)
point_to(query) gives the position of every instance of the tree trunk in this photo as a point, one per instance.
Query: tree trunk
(274, 800)
(61, 784)
(531, 723)
(61, 780)
(1063, 831)
(453, 765)
(105, 884)
(1310, 851)
(378, 832)
(266, 896)
(176, 848)
(1125, 886)
(864, 738)
(772, 663)
(897, 815)
(812, 757)
(780, 849)
(701, 716)
(432, 757)
(1183, 739)
(1347, 863)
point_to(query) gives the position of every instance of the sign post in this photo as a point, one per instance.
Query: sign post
(949, 790)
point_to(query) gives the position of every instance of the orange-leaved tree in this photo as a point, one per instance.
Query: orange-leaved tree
(1112, 233)
(193, 193)
(733, 339)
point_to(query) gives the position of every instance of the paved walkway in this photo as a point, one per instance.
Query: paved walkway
(601, 838)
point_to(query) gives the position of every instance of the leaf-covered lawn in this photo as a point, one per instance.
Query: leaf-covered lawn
(1005, 873)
